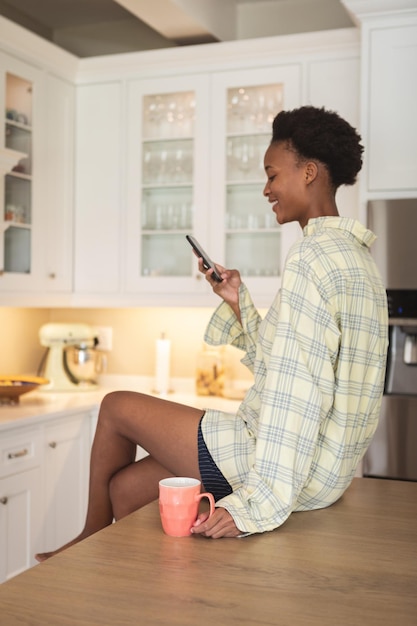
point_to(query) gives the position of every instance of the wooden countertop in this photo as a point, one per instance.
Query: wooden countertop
(354, 564)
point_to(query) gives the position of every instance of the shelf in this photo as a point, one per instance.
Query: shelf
(267, 230)
(19, 125)
(9, 158)
(249, 133)
(165, 186)
(9, 223)
(20, 175)
(147, 140)
(165, 231)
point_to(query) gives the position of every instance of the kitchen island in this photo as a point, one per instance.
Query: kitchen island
(354, 563)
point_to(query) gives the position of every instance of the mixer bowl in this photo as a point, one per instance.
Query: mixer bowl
(82, 363)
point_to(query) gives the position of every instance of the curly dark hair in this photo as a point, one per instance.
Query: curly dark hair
(315, 133)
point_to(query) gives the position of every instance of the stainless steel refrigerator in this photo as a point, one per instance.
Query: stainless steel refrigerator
(393, 450)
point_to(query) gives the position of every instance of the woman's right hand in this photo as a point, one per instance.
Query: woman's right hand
(228, 289)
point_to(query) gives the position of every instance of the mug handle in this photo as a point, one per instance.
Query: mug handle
(210, 499)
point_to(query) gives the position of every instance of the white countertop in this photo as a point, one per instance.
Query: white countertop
(36, 405)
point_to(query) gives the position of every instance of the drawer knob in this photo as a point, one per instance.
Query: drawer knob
(18, 454)
(52, 444)
(3, 500)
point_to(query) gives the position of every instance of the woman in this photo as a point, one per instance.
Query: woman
(318, 360)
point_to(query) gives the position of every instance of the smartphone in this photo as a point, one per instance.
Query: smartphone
(207, 262)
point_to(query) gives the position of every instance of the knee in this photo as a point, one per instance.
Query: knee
(111, 400)
(115, 401)
(111, 406)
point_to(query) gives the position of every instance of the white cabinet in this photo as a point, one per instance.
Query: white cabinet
(66, 470)
(181, 176)
(167, 183)
(391, 118)
(20, 501)
(244, 233)
(44, 473)
(21, 107)
(57, 180)
(160, 156)
(388, 96)
(99, 199)
(195, 166)
(20, 522)
(36, 205)
(335, 84)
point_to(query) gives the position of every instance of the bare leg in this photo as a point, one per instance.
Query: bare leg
(118, 485)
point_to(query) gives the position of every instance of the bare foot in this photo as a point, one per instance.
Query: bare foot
(44, 556)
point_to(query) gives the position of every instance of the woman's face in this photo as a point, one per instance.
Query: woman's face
(286, 187)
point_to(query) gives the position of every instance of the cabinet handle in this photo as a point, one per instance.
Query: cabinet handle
(1, 272)
(4, 500)
(52, 444)
(52, 275)
(18, 454)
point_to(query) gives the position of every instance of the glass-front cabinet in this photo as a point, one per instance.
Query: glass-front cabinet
(252, 236)
(244, 106)
(168, 182)
(36, 179)
(196, 146)
(16, 228)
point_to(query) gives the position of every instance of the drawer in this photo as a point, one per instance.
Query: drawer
(20, 451)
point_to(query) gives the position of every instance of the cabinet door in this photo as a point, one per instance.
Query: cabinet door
(392, 119)
(99, 202)
(36, 194)
(244, 231)
(20, 522)
(334, 83)
(66, 478)
(57, 177)
(168, 179)
(21, 94)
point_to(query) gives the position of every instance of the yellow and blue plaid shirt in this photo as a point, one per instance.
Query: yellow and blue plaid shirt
(318, 360)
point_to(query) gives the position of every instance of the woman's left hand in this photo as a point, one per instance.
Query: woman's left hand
(220, 524)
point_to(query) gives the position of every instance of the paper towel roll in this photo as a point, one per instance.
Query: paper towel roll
(163, 356)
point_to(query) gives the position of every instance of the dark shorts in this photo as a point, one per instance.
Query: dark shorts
(213, 480)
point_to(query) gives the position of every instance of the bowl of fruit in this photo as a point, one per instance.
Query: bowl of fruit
(12, 387)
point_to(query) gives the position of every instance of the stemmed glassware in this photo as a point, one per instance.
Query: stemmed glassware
(251, 233)
(166, 116)
(167, 180)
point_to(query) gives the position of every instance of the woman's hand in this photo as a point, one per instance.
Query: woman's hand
(220, 524)
(228, 289)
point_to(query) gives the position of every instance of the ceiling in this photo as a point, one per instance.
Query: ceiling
(99, 27)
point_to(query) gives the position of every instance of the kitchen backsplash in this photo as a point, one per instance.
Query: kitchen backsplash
(135, 332)
(20, 350)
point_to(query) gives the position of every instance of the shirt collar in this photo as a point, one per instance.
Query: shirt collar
(317, 224)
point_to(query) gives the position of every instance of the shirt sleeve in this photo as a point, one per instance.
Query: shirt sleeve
(224, 327)
(296, 396)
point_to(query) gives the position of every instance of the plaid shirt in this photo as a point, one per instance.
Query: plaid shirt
(318, 360)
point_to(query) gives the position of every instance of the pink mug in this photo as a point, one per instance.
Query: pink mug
(179, 498)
